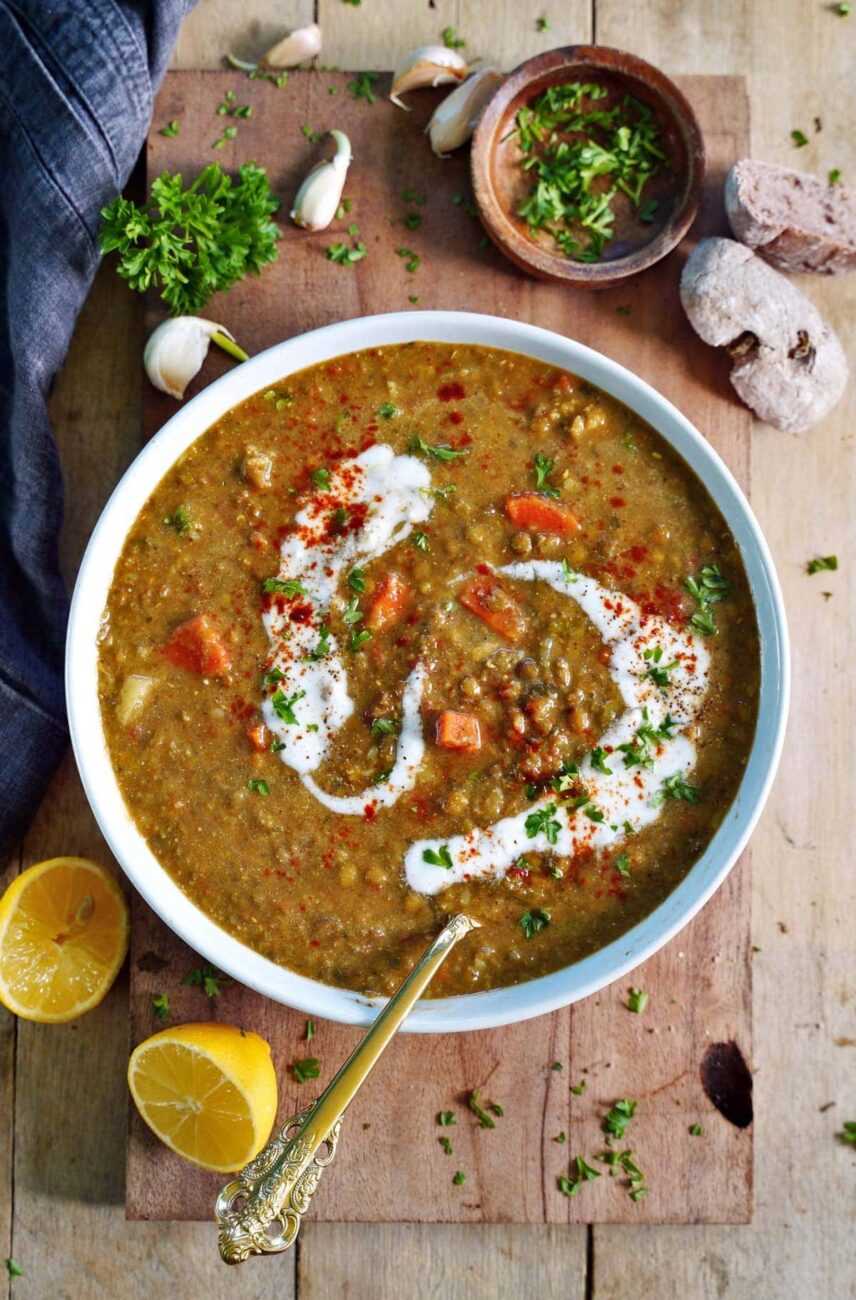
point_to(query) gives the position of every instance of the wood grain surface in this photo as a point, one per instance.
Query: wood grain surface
(700, 986)
(62, 1188)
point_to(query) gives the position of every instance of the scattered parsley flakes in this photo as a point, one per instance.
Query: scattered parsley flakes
(557, 1065)
(322, 649)
(598, 761)
(179, 520)
(707, 588)
(256, 786)
(290, 587)
(584, 1174)
(848, 1133)
(13, 1268)
(618, 1118)
(452, 40)
(485, 1120)
(344, 256)
(442, 451)
(357, 579)
(384, 726)
(821, 564)
(675, 787)
(531, 922)
(171, 129)
(306, 1069)
(321, 479)
(283, 706)
(578, 1088)
(388, 410)
(622, 865)
(696, 1130)
(438, 858)
(446, 1144)
(358, 639)
(362, 86)
(211, 980)
(446, 1118)
(561, 1138)
(310, 1031)
(622, 309)
(420, 540)
(637, 1000)
(459, 1178)
(160, 1006)
(543, 821)
(413, 259)
(799, 138)
(542, 24)
(543, 467)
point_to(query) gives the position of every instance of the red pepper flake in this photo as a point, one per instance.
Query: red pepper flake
(638, 553)
(451, 392)
(617, 502)
(456, 417)
(618, 469)
(483, 568)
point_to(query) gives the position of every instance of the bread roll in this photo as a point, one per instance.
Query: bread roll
(791, 219)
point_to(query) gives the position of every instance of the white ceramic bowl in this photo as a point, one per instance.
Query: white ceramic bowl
(474, 1010)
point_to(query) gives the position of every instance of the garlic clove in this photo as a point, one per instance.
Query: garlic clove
(429, 65)
(318, 198)
(176, 350)
(297, 47)
(455, 119)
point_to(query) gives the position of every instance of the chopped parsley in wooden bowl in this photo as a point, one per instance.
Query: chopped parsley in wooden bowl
(587, 166)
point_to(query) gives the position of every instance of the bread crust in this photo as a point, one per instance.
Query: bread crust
(789, 366)
(792, 219)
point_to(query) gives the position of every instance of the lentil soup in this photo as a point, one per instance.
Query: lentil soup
(422, 629)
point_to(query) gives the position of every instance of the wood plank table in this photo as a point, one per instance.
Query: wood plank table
(62, 1097)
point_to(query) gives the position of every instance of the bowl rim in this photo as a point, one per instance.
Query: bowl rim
(505, 232)
(477, 1010)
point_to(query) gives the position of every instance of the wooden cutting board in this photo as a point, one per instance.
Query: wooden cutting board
(390, 1165)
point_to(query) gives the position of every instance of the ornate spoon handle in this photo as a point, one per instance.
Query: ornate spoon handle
(259, 1211)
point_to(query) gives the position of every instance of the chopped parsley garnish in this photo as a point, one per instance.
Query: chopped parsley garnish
(257, 786)
(578, 159)
(276, 746)
(384, 727)
(834, 176)
(180, 521)
(640, 751)
(309, 134)
(358, 639)
(622, 865)
(290, 587)
(442, 493)
(485, 1120)
(438, 857)
(442, 451)
(618, 1118)
(413, 220)
(323, 647)
(460, 1178)
(593, 813)
(283, 706)
(707, 588)
(696, 1130)
(412, 196)
(561, 1138)
(387, 411)
(452, 40)
(362, 87)
(675, 787)
(271, 678)
(568, 573)
(171, 128)
(420, 540)
(578, 1088)
(532, 922)
(353, 613)
(598, 762)
(543, 821)
(13, 1268)
(637, 1000)
(357, 579)
(799, 138)
(584, 1174)
(211, 980)
(345, 256)
(310, 1031)
(381, 778)
(306, 1069)
(542, 24)
(659, 673)
(557, 1065)
(321, 478)
(848, 1133)
(446, 1145)
(543, 467)
(413, 259)
(446, 1118)
(821, 564)
(160, 1006)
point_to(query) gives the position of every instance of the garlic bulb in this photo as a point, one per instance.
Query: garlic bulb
(455, 119)
(318, 198)
(176, 349)
(429, 65)
(295, 48)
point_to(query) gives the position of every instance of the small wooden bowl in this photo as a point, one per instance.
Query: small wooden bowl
(499, 182)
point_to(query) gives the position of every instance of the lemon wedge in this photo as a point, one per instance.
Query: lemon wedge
(208, 1091)
(63, 936)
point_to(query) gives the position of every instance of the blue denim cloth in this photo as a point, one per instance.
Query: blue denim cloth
(77, 79)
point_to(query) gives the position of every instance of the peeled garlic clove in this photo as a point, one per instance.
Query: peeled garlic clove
(454, 121)
(295, 48)
(176, 349)
(318, 198)
(429, 65)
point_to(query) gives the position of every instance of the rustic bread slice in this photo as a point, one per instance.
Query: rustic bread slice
(792, 219)
(788, 364)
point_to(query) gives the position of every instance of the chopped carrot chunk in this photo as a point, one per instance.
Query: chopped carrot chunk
(257, 736)
(486, 597)
(529, 510)
(458, 731)
(197, 646)
(388, 602)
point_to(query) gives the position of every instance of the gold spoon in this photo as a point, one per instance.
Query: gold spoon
(259, 1211)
